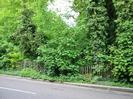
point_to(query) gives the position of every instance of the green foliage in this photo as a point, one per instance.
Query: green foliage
(95, 79)
(122, 55)
(98, 19)
(97, 23)
(59, 56)
(9, 13)
(72, 78)
(27, 36)
(93, 21)
(102, 38)
(9, 56)
(130, 71)
(26, 33)
(28, 72)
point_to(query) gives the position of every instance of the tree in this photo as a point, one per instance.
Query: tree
(95, 17)
(123, 46)
(26, 33)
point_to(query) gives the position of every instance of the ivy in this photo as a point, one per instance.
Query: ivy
(122, 49)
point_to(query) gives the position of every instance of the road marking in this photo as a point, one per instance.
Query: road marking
(22, 91)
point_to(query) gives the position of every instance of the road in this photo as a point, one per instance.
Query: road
(20, 88)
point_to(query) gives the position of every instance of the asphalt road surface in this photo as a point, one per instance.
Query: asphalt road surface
(18, 88)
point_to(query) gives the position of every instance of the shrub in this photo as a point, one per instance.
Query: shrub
(9, 56)
(59, 56)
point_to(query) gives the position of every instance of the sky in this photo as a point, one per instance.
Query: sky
(63, 8)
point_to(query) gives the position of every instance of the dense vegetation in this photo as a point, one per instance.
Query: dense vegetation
(102, 38)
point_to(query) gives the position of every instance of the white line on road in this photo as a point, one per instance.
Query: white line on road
(22, 91)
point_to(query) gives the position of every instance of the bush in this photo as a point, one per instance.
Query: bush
(59, 56)
(9, 56)
(130, 70)
(121, 58)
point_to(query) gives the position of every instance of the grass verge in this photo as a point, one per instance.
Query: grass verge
(33, 74)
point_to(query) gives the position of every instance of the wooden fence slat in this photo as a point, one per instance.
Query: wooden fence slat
(90, 69)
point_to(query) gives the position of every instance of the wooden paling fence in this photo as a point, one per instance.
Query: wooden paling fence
(91, 69)
(86, 70)
(28, 63)
(32, 64)
(83, 70)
